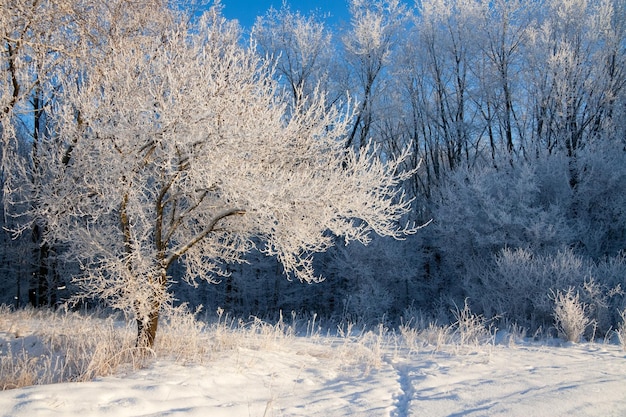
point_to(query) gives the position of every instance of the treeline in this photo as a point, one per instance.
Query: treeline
(514, 113)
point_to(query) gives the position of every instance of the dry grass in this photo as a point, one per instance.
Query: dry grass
(359, 347)
(469, 333)
(42, 346)
(621, 329)
(46, 347)
(182, 337)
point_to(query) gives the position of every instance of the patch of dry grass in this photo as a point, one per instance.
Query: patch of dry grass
(44, 346)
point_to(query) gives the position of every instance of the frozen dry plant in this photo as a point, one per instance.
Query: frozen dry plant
(570, 315)
(183, 337)
(621, 329)
(313, 328)
(378, 342)
(229, 333)
(62, 346)
(65, 346)
(362, 347)
(265, 335)
(472, 329)
(420, 332)
(418, 338)
(18, 369)
(223, 331)
(437, 336)
(468, 330)
(87, 346)
(514, 333)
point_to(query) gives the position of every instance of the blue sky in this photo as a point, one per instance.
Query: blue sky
(247, 10)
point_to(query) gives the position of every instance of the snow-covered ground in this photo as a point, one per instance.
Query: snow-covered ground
(315, 377)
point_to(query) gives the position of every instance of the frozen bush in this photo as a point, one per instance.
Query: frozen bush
(482, 210)
(597, 296)
(370, 282)
(519, 286)
(570, 316)
(471, 329)
(600, 201)
(610, 273)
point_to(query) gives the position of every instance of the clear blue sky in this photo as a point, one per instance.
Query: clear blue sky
(246, 11)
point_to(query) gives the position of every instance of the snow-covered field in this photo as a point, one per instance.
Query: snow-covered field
(333, 376)
(304, 379)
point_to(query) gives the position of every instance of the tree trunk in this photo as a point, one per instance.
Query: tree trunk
(146, 330)
(40, 291)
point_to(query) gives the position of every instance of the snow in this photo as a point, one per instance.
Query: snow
(315, 377)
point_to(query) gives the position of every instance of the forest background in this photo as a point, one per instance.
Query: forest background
(515, 116)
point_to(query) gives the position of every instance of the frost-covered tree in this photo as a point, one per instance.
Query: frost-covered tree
(43, 44)
(31, 50)
(376, 28)
(575, 61)
(181, 150)
(301, 47)
(448, 43)
(504, 30)
(439, 88)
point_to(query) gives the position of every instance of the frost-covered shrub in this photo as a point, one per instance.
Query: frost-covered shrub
(382, 279)
(599, 207)
(610, 273)
(598, 295)
(520, 284)
(570, 315)
(483, 210)
(506, 237)
(361, 283)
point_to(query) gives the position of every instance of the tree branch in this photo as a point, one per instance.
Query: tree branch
(204, 233)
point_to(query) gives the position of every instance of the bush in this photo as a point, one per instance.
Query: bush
(518, 287)
(570, 317)
(480, 211)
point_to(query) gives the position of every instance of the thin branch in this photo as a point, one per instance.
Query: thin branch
(210, 228)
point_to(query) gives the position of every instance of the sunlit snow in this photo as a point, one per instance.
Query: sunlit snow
(311, 377)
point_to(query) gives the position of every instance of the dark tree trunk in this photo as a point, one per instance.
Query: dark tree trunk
(40, 293)
(147, 329)
(147, 326)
